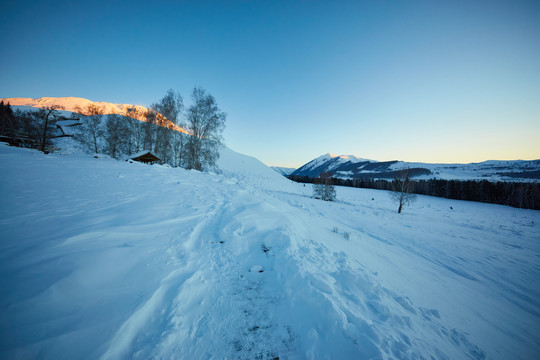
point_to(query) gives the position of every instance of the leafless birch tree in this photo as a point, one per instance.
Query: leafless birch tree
(205, 122)
(402, 190)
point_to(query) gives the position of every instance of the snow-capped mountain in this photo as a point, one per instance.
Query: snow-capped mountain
(75, 103)
(350, 166)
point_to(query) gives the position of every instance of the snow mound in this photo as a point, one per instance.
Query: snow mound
(250, 171)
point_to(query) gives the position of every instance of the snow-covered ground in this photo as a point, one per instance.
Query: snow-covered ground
(117, 260)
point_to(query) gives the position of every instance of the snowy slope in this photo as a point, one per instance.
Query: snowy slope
(350, 166)
(285, 171)
(117, 260)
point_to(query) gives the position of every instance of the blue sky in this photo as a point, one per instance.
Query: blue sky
(431, 81)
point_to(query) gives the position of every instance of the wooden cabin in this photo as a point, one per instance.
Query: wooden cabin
(145, 157)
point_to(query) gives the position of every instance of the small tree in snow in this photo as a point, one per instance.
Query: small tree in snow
(323, 187)
(402, 188)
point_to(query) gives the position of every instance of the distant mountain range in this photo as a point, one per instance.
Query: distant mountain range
(350, 166)
(75, 103)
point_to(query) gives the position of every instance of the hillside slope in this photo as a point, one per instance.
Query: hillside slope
(118, 260)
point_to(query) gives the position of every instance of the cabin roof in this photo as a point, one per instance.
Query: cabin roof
(144, 156)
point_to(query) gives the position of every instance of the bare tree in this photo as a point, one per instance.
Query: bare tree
(170, 106)
(402, 189)
(205, 122)
(135, 130)
(323, 187)
(90, 110)
(149, 129)
(23, 128)
(116, 135)
(178, 149)
(28, 128)
(91, 131)
(47, 115)
(168, 111)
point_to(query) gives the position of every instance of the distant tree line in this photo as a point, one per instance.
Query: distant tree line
(515, 194)
(156, 129)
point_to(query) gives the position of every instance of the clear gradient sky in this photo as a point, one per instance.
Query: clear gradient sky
(429, 81)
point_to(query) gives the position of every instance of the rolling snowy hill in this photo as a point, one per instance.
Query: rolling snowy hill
(116, 260)
(350, 166)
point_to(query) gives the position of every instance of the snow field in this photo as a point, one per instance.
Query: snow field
(112, 260)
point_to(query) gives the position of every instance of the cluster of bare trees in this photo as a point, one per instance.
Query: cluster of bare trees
(188, 138)
(118, 136)
(112, 134)
(28, 129)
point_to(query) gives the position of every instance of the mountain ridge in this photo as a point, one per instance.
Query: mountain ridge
(351, 166)
(75, 104)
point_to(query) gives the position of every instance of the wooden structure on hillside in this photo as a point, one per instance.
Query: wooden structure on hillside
(145, 157)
